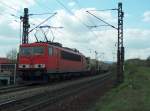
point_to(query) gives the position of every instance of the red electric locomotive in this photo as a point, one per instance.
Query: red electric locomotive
(43, 60)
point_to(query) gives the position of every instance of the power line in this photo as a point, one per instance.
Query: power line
(65, 7)
(50, 28)
(88, 19)
(10, 14)
(104, 10)
(13, 15)
(91, 29)
(40, 14)
(96, 26)
(43, 8)
(9, 6)
(43, 22)
(102, 20)
(120, 47)
(75, 16)
(78, 3)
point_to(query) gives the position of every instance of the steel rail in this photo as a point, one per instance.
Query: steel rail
(14, 88)
(64, 91)
(54, 99)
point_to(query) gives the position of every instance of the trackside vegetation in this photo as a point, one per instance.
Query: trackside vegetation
(133, 94)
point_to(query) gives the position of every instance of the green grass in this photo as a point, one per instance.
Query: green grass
(132, 95)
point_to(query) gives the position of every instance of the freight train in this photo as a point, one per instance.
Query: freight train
(46, 60)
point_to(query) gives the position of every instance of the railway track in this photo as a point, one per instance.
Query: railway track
(62, 94)
(12, 89)
(57, 93)
(15, 88)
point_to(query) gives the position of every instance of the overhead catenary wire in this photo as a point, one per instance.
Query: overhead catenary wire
(37, 14)
(91, 28)
(81, 49)
(46, 8)
(76, 17)
(95, 10)
(13, 15)
(43, 22)
(64, 7)
(10, 7)
(84, 24)
(40, 14)
(31, 23)
(9, 14)
(71, 12)
(43, 7)
(77, 2)
(102, 20)
(96, 26)
(50, 28)
(107, 24)
(104, 9)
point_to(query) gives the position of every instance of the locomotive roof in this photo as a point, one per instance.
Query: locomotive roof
(54, 44)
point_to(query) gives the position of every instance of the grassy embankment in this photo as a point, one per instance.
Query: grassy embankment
(132, 95)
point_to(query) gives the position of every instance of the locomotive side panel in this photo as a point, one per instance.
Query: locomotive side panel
(71, 62)
(52, 61)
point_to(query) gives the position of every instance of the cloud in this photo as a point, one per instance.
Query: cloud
(8, 24)
(138, 53)
(137, 34)
(9, 27)
(136, 43)
(146, 16)
(19, 4)
(7, 30)
(8, 43)
(76, 34)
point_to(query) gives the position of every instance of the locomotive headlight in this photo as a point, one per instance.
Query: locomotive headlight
(39, 66)
(24, 66)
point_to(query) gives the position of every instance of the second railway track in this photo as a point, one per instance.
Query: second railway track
(51, 95)
(13, 89)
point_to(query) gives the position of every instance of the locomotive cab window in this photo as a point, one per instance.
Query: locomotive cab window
(50, 51)
(25, 51)
(38, 50)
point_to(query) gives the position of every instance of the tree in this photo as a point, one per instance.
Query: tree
(148, 58)
(148, 61)
(12, 55)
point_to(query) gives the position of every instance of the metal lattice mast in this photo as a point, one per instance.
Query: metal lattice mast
(120, 50)
(120, 47)
(26, 26)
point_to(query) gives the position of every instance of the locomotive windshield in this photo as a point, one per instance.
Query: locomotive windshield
(31, 51)
(25, 50)
(38, 50)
